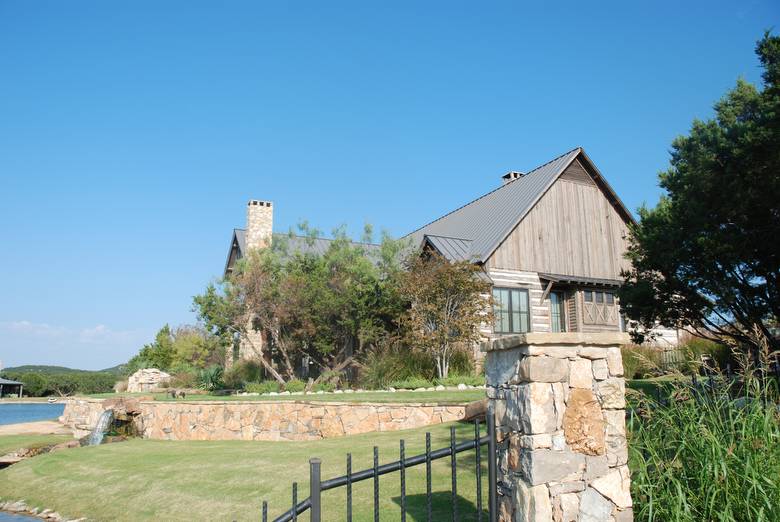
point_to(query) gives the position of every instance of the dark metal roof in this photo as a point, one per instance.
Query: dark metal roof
(487, 220)
(452, 248)
(293, 245)
(6, 381)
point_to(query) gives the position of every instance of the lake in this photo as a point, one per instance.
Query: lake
(11, 517)
(13, 413)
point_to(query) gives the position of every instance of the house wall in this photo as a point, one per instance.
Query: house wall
(573, 230)
(540, 311)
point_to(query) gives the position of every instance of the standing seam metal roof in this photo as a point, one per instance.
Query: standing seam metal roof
(487, 220)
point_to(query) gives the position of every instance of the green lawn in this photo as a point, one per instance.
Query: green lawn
(9, 443)
(160, 480)
(442, 397)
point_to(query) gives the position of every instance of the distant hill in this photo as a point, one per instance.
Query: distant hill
(44, 369)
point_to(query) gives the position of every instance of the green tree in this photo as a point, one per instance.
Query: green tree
(159, 354)
(448, 303)
(707, 256)
(327, 307)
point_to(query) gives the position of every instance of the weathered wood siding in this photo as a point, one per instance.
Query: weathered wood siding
(572, 230)
(540, 312)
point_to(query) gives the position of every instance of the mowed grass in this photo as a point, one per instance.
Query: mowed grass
(9, 443)
(440, 397)
(161, 480)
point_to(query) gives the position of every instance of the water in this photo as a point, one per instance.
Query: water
(13, 517)
(29, 412)
(96, 437)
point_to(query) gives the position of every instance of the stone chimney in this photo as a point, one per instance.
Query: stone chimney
(511, 176)
(259, 224)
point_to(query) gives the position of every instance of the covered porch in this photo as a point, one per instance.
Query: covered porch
(10, 388)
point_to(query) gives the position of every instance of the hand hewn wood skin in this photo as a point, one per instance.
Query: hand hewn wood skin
(573, 229)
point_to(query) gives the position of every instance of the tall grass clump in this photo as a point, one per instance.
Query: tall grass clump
(710, 452)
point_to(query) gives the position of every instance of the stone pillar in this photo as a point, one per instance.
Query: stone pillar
(560, 420)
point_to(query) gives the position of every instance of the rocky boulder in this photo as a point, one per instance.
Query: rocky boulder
(147, 380)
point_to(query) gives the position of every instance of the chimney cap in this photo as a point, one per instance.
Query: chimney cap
(512, 175)
(259, 202)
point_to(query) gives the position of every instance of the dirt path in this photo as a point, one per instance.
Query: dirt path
(35, 428)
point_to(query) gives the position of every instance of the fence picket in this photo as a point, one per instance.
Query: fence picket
(454, 466)
(316, 485)
(376, 484)
(478, 470)
(428, 494)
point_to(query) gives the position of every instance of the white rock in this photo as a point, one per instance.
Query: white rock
(338, 391)
(612, 393)
(348, 390)
(273, 393)
(440, 387)
(533, 503)
(616, 486)
(581, 374)
(600, 369)
(391, 389)
(615, 362)
(462, 386)
(570, 507)
(594, 507)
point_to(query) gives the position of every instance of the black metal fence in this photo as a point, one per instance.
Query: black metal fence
(313, 504)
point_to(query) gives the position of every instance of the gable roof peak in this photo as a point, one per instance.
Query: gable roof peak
(489, 219)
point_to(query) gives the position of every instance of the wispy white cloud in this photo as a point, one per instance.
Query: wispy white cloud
(91, 347)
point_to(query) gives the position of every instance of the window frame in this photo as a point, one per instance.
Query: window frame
(561, 304)
(510, 311)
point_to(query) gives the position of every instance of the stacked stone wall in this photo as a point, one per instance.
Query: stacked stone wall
(560, 415)
(266, 420)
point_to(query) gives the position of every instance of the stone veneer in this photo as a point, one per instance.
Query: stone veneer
(560, 415)
(264, 420)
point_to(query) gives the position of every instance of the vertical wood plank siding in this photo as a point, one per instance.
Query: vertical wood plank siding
(572, 230)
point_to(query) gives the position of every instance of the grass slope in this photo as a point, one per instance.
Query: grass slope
(9, 443)
(159, 480)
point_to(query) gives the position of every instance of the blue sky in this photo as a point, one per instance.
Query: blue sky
(132, 134)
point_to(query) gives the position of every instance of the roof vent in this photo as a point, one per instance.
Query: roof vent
(512, 175)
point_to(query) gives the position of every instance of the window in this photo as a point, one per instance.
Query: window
(511, 309)
(599, 297)
(588, 296)
(610, 298)
(557, 321)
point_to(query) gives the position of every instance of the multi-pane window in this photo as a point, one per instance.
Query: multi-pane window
(512, 311)
(600, 308)
(557, 318)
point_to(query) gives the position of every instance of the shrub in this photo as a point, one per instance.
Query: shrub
(120, 386)
(324, 386)
(294, 385)
(211, 378)
(397, 362)
(695, 347)
(707, 456)
(184, 380)
(640, 362)
(454, 380)
(411, 383)
(262, 387)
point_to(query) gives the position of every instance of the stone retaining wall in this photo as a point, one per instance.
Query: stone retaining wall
(559, 401)
(266, 420)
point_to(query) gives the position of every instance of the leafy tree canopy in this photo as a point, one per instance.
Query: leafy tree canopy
(707, 256)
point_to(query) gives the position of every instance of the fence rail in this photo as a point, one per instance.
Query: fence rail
(313, 504)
